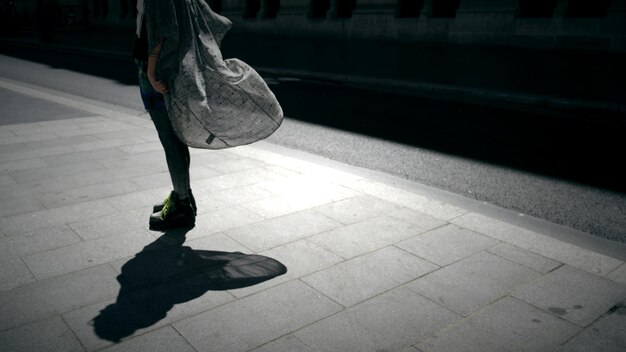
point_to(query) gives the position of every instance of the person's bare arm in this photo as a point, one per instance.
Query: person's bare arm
(152, 62)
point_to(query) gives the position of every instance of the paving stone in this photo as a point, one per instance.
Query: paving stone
(240, 164)
(223, 220)
(238, 179)
(42, 299)
(55, 171)
(109, 225)
(572, 294)
(81, 321)
(416, 218)
(47, 335)
(140, 200)
(301, 258)
(217, 242)
(89, 193)
(356, 209)
(521, 256)
(123, 161)
(14, 273)
(389, 322)
(77, 157)
(47, 143)
(165, 340)
(606, 334)
(257, 319)
(447, 244)
(307, 197)
(409, 200)
(29, 138)
(36, 188)
(507, 325)
(472, 283)
(366, 236)
(43, 240)
(240, 195)
(7, 180)
(18, 165)
(202, 172)
(543, 245)
(363, 277)
(271, 233)
(86, 254)
(32, 222)
(28, 153)
(22, 205)
(618, 275)
(124, 173)
(141, 147)
(157, 179)
(287, 343)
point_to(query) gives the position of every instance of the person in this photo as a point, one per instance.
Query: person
(179, 208)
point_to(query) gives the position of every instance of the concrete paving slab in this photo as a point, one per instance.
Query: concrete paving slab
(19, 108)
(301, 258)
(573, 294)
(86, 254)
(447, 244)
(410, 200)
(606, 334)
(46, 239)
(526, 258)
(507, 325)
(224, 220)
(43, 299)
(81, 320)
(162, 340)
(36, 188)
(241, 195)
(7, 180)
(140, 199)
(473, 283)
(271, 233)
(287, 343)
(306, 197)
(89, 193)
(220, 182)
(19, 165)
(29, 138)
(356, 209)
(363, 277)
(109, 225)
(55, 171)
(22, 205)
(618, 275)
(255, 320)
(416, 218)
(217, 242)
(366, 236)
(39, 220)
(71, 158)
(390, 322)
(546, 246)
(50, 335)
(14, 273)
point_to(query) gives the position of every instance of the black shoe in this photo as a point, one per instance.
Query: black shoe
(157, 207)
(175, 213)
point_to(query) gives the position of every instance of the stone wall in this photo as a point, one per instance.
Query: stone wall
(597, 25)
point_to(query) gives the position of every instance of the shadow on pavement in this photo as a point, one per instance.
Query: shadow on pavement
(166, 273)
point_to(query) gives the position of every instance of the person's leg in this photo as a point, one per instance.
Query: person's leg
(179, 208)
(176, 152)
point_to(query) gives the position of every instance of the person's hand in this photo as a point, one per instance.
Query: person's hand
(157, 84)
